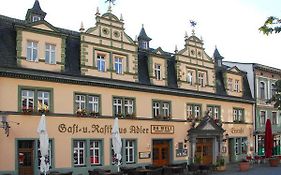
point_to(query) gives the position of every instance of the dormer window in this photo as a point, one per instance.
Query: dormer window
(236, 86)
(219, 63)
(144, 45)
(36, 18)
(157, 71)
(32, 51)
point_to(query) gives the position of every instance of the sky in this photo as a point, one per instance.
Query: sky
(230, 25)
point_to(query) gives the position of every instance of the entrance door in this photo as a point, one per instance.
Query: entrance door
(25, 157)
(161, 152)
(204, 151)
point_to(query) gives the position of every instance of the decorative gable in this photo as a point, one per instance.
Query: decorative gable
(234, 69)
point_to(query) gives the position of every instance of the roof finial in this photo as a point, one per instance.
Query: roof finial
(201, 38)
(82, 29)
(98, 12)
(142, 25)
(185, 35)
(176, 48)
(121, 17)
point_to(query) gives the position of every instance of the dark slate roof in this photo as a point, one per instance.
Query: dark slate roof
(172, 73)
(36, 9)
(143, 35)
(143, 73)
(217, 55)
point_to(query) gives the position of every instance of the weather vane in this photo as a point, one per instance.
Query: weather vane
(193, 24)
(110, 2)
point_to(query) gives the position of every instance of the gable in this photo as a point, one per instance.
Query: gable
(43, 27)
(208, 126)
(234, 70)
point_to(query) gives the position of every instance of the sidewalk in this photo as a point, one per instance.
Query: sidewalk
(257, 169)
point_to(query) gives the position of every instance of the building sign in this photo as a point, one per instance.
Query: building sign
(237, 130)
(162, 129)
(106, 129)
(144, 155)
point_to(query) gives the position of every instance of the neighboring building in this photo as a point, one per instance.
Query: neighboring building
(262, 84)
(172, 107)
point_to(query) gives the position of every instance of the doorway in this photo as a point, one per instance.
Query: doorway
(204, 151)
(26, 157)
(161, 152)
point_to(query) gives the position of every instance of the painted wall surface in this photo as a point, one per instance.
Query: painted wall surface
(42, 39)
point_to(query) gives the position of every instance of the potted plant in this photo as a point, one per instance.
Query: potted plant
(81, 112)
(244, 165)
(133, 115)
(274, 161)
(94, 114)
(220, 164)
(27, 110)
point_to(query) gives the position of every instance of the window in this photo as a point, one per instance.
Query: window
(193, 111)
(274, 118)
(144, 44)
(95, 152)
(36, 18)
(189, 78)
(87, 103)
(157, 71)
(79, 153)
(49, 158)
(101, 63)
(238, 115)
(273, 90)
(236, 86)
(130, 151)
(118, 65)
(262, 117)
(240, 145)
(156, 109)
(260, 145)
(50, 54)
(214, 111)
(117, 106)
(123, 106)
(236, 146)
(201, 79)
(262, 90)
(244, 145)
(161, 109)
(35, 100)
(230, 85)
(43, 100)
(32, 51)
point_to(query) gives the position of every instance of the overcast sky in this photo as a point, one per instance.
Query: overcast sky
(231, 25)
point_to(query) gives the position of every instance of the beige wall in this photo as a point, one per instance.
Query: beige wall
(42, 39)
(234, 77)
(154, 59)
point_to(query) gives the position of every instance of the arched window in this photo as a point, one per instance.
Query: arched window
(262, 90)
(273, 89)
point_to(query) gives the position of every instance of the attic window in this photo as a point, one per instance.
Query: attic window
(144, 45)
(36, 18)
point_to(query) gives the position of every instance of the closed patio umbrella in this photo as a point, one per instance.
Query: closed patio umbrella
(116, 142)
(268, 139)
(44, 145)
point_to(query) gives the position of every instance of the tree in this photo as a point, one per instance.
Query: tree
(276, 98)
(272, 24)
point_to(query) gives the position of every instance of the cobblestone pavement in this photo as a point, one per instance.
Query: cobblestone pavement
(257, 169)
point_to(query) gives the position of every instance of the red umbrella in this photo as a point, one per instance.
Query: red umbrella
(268, 139)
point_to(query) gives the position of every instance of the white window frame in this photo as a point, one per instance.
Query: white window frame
(240, 115)
(29, 98)
(50, 53)
(276, 115)
(236, 85)
(144, 44)
(80, 101)
(273, 89)
(117, 106)
(235, 115)
(236, 146)
(129, 106)
(216, 112)
(79, 149)
(166, 109)
(94, 102)
(130, 151)
(189, 111)
(263, 123)
(118, 65)
(189, 77)
(100, 62)
(201, 81)
(157, 71)
(244, 145)
(44, 97)
(156, 109)
(95, 152)
(36, 18)
(262, 91)
(197, 111)
(32, 47)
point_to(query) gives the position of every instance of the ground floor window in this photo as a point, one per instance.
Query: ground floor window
(240, 145)
(49, 158)
(260, 144)
(128, 152)
(79, 153)
(276, 145)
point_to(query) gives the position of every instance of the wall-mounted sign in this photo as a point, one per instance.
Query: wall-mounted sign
(237, 130)
(144, 155)
(181, 152)
(162, 129)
